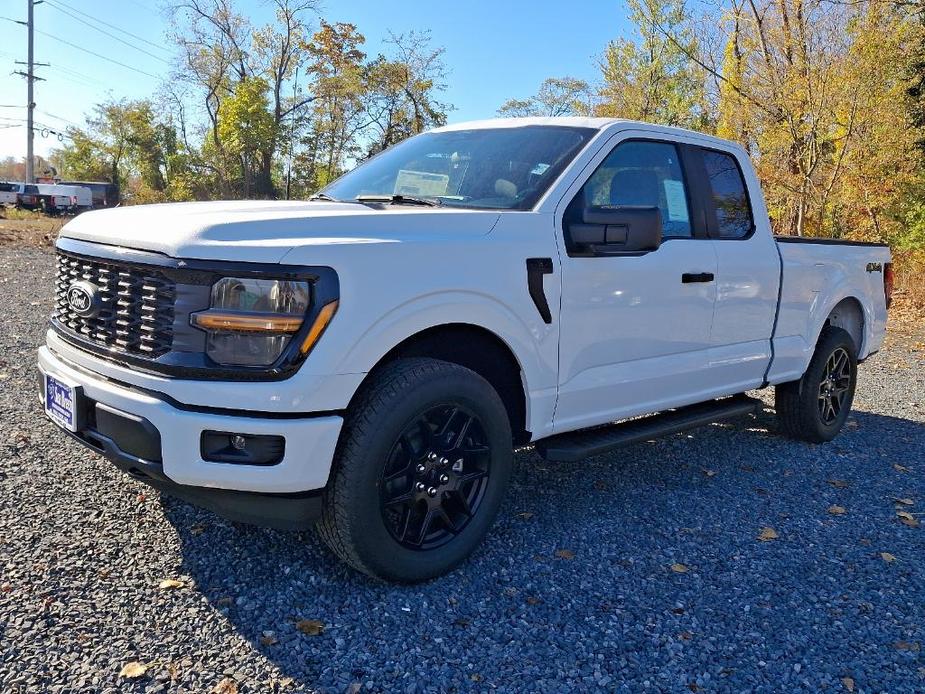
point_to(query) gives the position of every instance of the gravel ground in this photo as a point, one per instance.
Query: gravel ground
(638, 571)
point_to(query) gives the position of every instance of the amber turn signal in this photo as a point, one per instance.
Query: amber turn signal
(247, 322)
(321, 322)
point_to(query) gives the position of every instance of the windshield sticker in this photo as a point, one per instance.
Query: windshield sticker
(421, 183)
(676, 200)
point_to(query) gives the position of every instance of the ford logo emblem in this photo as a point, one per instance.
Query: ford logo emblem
(82, 299)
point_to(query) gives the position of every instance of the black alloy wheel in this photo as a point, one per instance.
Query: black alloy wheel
(435, 477)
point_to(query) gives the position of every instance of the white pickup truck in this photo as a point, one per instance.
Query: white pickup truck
(367, 361)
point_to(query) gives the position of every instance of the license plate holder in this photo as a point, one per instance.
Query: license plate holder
(62, 402)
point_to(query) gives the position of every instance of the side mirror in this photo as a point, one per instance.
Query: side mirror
(623, 229)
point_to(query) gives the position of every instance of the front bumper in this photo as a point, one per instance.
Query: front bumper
(255, 494)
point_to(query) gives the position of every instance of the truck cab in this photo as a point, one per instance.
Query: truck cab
(366, 361)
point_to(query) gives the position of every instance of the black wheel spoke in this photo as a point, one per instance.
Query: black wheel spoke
(400, 499)
(435, 478)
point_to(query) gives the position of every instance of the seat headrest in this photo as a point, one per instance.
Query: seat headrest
(635, 187)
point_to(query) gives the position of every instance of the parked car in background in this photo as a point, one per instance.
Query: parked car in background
(8, 193)
(104, 194)
(81, 196)
(55, 199)
(369, 359)
(27, 196)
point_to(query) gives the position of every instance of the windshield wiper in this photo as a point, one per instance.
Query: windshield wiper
(325, 197)
(398, 200)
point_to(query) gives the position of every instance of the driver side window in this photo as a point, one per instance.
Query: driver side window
(647, 174)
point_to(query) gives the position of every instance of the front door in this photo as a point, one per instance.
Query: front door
(635, 327)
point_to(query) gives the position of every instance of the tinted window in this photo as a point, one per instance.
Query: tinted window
(649, 174)
(729, 195)
(8, 187)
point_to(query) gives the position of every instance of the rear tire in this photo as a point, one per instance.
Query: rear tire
(816, 407)
(423, 462)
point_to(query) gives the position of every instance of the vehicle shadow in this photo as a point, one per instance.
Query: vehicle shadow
(571, 543)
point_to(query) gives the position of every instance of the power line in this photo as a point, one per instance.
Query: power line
(98, 55)
(103, 31)
(111, 26)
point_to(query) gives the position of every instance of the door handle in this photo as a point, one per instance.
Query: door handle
(689, 277)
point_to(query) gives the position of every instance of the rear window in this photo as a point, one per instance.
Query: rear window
(8, 187)
(730, 196)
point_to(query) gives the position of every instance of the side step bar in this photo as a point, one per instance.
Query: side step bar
(576, 445)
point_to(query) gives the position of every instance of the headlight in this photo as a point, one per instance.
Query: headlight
(251, 321)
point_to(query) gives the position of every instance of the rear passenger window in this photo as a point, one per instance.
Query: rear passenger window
(641, 173)
(730, 195)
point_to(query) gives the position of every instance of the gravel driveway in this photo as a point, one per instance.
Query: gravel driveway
(637, 571)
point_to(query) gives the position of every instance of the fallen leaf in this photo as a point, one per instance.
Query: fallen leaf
(685, 635)
(225, 601)
(226, 686)
(461, 622)
(848, 683)
(269, 640)
(312, 627)
(907, 646)
(767, 534)
(198, 528)
(907, 518)
(565, 554)
(679, 568)
(839, 484)
(6, 588)
(531, 600)
(887, 557)
(900, 468)
(141, 498)
(905, 502)
(526, 515)
(475, 677)
(354, 688)
(133, 670)
(837, 510)
(170, 584)
(709, 473)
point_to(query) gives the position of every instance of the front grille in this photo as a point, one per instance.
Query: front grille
(136, 305)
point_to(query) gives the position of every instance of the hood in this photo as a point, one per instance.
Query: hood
(264, 231)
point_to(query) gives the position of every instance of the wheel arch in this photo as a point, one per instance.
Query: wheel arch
(478, 349)
(848, 314)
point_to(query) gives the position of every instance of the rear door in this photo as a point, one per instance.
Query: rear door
(635, 327)
(748, 275)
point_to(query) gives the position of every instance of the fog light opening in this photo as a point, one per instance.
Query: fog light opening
(241, 449)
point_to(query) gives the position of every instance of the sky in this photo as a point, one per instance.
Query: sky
(495, 50)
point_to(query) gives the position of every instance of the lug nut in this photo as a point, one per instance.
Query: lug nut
(420, 486)
(432, 491)
(444, 462)
(421, 468)
(444, 479)
(431, 456)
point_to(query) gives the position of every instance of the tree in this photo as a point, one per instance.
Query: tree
(220, 50)
(247, 128)
(557, 96)
(401, 98)
(652, 78)
(123, 142)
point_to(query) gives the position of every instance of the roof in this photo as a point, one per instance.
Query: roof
(569, 121)
(595, 123)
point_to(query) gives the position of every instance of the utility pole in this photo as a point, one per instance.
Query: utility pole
(31, 79)
(30, 104)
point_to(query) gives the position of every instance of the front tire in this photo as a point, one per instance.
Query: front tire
(422, 465)
(816, 407)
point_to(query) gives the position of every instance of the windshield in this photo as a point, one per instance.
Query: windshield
(497, 168)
